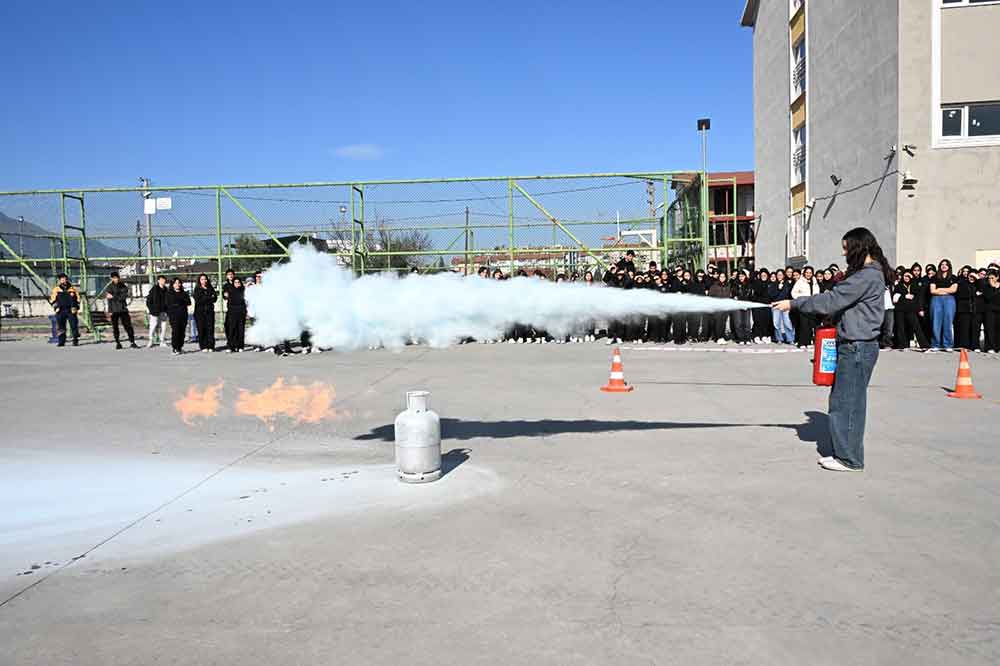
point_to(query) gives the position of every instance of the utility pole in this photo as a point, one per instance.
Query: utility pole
(20, 253)
(466, 240)
(149, 229)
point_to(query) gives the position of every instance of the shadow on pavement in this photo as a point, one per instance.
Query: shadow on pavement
(452, 459)
(816, 430)
(459, 429)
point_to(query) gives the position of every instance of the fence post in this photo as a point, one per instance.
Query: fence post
(218, 243)
(663, 227)
(510, 211)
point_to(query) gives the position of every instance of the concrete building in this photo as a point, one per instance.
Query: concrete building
(731, 237)
(882, 113)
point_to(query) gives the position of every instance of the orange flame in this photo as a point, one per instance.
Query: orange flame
(304, 404)
(197, 403)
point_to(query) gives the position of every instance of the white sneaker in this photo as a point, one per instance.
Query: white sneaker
(639, 341)
(609, 341)
(720, 341)
(835, 465)
(227, 351)
(822, 458)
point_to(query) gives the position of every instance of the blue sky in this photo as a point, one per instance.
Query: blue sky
(184, 92)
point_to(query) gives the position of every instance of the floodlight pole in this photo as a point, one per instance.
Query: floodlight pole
(704, 125)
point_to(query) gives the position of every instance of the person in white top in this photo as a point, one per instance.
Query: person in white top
(889, 322)
(807, 285)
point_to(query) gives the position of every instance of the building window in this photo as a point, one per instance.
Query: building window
(795, 237)
(971, 121)
(951, 121)
(984, 119)
(799, 68)
(798, 156)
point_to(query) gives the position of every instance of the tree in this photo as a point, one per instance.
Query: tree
(247, 244)
(412, 241)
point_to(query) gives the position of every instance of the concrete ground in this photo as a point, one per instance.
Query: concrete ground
(684, 523)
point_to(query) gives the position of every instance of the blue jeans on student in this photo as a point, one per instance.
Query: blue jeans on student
(942, 320)
(783, 331)
(849, 401)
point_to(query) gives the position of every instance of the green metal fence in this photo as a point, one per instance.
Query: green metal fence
(555, 223)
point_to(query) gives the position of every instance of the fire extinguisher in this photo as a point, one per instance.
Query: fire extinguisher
(825, 356)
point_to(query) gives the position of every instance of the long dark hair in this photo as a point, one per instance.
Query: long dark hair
(859, 244)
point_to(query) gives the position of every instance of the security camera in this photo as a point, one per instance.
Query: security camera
(835, 180)
(910, 149)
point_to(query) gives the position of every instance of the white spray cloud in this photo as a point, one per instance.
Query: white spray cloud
(311, 292)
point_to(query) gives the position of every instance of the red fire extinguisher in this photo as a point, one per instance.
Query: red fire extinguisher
(825, 356)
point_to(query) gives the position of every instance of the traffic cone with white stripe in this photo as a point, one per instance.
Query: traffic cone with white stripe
(963, 385)
(616, 384)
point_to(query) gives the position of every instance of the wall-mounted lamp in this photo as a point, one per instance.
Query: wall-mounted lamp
(909, 182)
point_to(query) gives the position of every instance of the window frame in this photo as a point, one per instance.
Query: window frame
(944, 4)
(937, 105)
(964, 139)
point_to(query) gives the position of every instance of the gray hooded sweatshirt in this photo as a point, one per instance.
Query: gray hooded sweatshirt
(857, 303)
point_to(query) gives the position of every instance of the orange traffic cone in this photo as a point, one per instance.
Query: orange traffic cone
(963, 385)
(616, 384)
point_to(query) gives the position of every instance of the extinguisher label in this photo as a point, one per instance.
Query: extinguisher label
(828, 356)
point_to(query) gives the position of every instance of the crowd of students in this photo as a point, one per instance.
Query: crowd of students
(929, 308)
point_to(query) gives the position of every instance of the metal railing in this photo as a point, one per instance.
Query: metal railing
(554, 223)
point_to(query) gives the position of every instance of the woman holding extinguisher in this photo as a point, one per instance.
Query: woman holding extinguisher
(857, 304)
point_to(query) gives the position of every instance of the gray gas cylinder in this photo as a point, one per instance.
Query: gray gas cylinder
(418, 441)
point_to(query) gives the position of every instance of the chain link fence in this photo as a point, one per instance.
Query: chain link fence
(553, 224)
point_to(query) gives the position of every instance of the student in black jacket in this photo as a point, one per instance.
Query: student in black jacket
(906, 299)
(117, 297)
(743, 290)
(236, 315)
(65, 300)
(991, 312)
(697, 325)
(762, 318)
(156, 304)
(177, 311)
(780, 290)
(680, 286)
(228, 284)
(205, 297)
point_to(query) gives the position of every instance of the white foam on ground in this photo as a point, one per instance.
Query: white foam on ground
(57, 508)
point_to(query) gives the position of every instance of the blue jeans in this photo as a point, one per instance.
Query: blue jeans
(783, 331)
(942, 318)
(849, 401)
